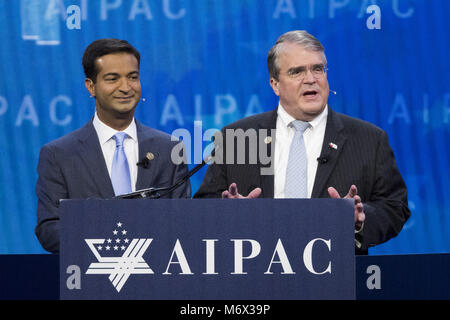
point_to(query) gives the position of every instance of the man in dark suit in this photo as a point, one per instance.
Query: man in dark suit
(93, 162)
(314, 151)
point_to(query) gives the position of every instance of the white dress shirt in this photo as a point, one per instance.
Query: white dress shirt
(105, 136)
(313, 137)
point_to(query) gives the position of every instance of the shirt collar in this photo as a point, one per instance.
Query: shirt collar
(286, 118)
(105, 132)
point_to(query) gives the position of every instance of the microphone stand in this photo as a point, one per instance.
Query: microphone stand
(155, 193)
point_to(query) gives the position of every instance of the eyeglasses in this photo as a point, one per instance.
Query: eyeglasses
(299, 73)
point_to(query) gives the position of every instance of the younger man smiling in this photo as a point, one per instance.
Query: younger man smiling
(86, 163)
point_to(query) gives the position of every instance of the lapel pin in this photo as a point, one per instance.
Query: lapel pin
(333, 146)
(145, 162)
(267, 140)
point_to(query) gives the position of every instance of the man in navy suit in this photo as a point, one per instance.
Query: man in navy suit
(343, 157)
(82, 163)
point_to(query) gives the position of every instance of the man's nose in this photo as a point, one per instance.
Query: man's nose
(309, 77)
(124, 86)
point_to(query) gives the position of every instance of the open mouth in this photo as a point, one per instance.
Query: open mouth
(310, 93)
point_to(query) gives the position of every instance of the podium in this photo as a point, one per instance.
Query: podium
(207, 249)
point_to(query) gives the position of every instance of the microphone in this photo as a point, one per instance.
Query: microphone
(145, 162)
(335, 93)
(155, 193)
(322, 160)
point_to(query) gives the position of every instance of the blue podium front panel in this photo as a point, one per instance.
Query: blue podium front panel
(207, 249)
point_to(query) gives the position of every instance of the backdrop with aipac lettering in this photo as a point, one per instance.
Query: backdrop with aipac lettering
(206, 61)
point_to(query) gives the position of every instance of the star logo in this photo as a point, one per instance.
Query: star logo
(118, 267)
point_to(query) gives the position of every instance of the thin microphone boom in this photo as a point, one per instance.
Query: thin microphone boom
(155, 193)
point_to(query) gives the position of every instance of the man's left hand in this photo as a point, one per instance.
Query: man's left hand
(359, 207)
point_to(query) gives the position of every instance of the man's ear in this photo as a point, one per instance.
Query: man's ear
(274, 85)
(90, 85)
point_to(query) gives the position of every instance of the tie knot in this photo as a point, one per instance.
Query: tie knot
(299, 125)
(119, 137)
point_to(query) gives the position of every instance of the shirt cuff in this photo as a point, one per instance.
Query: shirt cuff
(358, 234)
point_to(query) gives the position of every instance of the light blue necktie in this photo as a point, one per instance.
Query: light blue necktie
(120, 171)
(296, 173)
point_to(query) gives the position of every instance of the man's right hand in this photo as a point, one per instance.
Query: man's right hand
(232, 193)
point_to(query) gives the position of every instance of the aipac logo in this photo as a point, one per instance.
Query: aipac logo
(118, 256)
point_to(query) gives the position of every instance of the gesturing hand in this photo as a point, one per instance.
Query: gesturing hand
(359, 207)
(232, 193)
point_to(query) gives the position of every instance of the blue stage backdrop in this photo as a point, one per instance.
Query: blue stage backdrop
(205, 60)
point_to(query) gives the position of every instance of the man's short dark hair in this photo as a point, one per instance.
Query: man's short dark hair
(102, 47)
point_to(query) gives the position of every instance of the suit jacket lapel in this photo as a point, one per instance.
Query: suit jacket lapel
(91, 154)
(146, 144)
(267, 180)
(333, 134)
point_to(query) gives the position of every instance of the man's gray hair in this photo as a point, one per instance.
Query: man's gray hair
(300, 37)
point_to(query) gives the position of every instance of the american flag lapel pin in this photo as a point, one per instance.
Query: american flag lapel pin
(333, 145)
